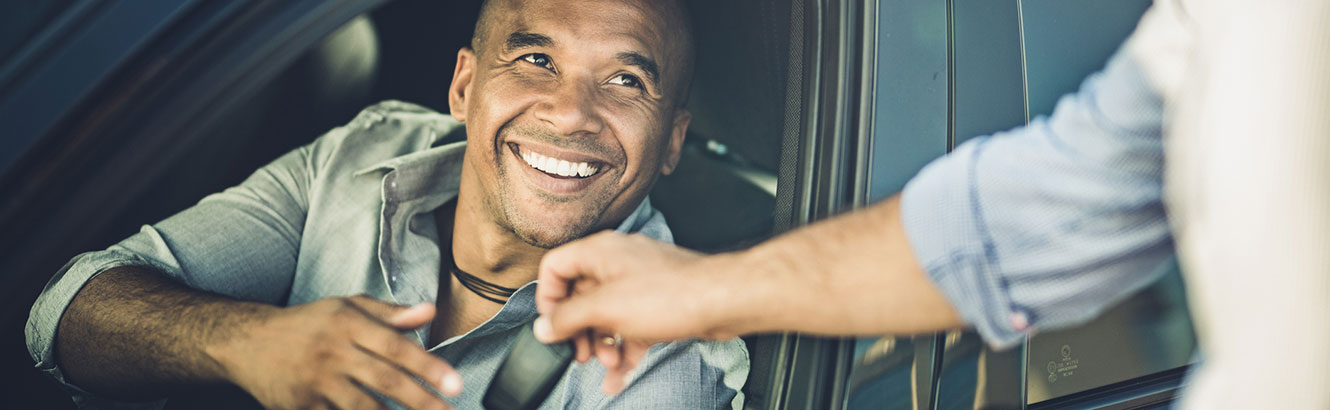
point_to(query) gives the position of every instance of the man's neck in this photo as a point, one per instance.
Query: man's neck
(483, 249)
(479, 247)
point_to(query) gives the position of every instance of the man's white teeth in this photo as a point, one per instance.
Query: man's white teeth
(558, 166)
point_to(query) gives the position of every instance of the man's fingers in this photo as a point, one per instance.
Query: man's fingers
(569, 317)
(558, 270)
(413, 317)
(346, 394)
(579, 261)
(633, 353)
(398, 316)
(582, 347)
(613, 383)
(607, 351)
(402, 352)
(394, 382)
(617, 377)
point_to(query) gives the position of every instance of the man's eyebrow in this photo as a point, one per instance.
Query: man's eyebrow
(643, 62)
(522, 39)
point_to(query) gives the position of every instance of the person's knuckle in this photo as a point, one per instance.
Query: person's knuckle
(324, 353)
(388, 378)
(396, 348)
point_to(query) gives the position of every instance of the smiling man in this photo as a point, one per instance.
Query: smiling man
(570, 111)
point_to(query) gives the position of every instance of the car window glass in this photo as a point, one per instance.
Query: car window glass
(21, 20)
(1151, 332)
(1044, 48)
(910, 129)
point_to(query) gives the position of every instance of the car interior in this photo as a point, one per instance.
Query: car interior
(722, 196)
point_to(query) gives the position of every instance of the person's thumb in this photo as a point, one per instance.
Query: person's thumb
(567, 319)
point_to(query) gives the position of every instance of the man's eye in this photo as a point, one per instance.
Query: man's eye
(626, 80)
(538, 59)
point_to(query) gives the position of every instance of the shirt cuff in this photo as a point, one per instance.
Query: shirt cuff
(44, 319)
(945, 229)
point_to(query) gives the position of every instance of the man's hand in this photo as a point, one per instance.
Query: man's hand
(330, 353)
(641, 289)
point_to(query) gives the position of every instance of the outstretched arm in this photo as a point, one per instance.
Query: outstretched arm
(1042, 226)
(852, 274)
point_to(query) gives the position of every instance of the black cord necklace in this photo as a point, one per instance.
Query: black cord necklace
(489, 291)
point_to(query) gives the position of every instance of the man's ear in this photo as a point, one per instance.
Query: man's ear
(680, 130)
(460, 89)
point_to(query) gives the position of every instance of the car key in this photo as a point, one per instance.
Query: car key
(528, 374)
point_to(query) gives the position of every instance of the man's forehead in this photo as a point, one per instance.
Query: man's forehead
(625, 25)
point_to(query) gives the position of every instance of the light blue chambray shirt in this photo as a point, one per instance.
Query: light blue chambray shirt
(1047, 225)
(351, 213)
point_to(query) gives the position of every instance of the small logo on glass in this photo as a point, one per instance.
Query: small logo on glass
(1062, 368)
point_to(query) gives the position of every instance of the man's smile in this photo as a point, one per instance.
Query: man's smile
(559, 167)
(556, 170)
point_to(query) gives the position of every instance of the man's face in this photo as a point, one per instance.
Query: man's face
(571, 109)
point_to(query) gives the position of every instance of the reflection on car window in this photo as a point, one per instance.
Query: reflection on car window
(21, 20)
(1147, 334)
(883, 374)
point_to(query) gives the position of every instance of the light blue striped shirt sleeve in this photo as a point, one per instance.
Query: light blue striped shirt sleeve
(1047, 225)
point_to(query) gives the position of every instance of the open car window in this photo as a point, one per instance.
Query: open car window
(337, 61)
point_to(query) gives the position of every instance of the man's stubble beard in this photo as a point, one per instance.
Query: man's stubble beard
(528, 230)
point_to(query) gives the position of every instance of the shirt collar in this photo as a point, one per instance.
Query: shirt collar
(434, 172)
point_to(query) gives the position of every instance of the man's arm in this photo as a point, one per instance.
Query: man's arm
(164, 308)
(133, 334)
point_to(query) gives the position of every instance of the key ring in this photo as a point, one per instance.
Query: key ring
(616, 340)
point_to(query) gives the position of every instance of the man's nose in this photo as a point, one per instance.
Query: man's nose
(571, 109)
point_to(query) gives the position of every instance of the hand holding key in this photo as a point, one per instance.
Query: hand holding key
(631, 286)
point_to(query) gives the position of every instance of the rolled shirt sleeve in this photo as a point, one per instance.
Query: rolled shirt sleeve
(241, 242)
(1047, 225)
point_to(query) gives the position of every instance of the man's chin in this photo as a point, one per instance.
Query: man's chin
(548, 224)
(546, 239)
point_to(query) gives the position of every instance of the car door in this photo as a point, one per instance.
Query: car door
(948, 72)
(192, 95)
(101, 99)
